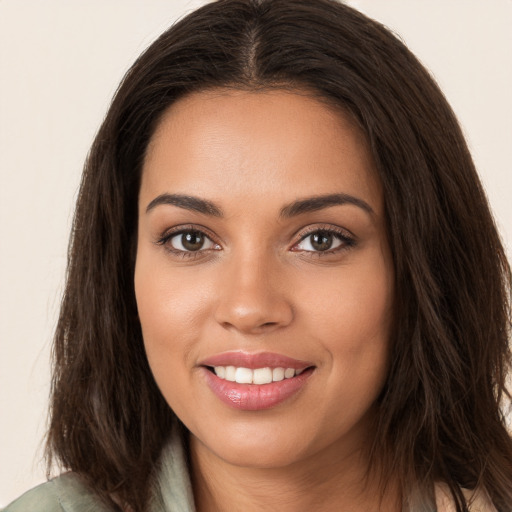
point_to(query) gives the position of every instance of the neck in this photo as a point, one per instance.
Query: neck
(324, 482)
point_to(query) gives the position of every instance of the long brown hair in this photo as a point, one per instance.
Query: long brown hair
(439, 413)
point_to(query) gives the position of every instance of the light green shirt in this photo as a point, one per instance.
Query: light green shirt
(66, 493)
(172, 491)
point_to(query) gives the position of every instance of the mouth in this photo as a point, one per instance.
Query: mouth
(254, 382)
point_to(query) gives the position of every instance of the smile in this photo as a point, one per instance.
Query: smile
(253, 382)
(256, 376)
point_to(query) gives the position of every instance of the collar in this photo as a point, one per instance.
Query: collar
(172, 490)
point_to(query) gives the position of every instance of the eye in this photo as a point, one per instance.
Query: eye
(189, 241)
(323, 240)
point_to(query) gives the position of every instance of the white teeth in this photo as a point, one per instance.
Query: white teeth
(262, 376)
(230, 373)
(243, 376)
(257, 376)
(289, 373)
(277, 374)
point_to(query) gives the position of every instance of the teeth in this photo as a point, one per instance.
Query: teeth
(243, 376)
(277, 374)
(289, 373)
(262, 376)
(230, 373)
(256, 376)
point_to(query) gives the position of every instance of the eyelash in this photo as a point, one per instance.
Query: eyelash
(181, 230)
(346, 240)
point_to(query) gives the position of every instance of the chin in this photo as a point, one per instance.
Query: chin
(268, 444)
(255, 455)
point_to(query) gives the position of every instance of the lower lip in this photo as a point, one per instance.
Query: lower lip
(255, 397)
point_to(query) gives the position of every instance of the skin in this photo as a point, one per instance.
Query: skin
(261, 286)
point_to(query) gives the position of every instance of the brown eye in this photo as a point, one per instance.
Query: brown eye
(321, 241)
(324, 240)
(191, 241)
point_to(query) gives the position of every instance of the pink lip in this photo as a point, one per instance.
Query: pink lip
(252, 361)
(253, 397)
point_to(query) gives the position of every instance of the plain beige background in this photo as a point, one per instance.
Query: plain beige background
(60, 63)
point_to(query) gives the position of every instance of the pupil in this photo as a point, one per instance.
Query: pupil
(321, 241)
(192, 241)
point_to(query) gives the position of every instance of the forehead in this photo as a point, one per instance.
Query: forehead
(250, 144)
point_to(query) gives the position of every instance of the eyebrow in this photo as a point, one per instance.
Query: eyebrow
(186, 202)
(312, 204)
(309, 204)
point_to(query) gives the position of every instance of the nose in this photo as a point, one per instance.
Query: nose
(253, 297)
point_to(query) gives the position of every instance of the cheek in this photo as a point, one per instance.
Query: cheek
(169, 295)
(354, 308)
(352, 319)
(167, 305)
(174, 306)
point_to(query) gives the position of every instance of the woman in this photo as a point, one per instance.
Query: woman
(285, 288)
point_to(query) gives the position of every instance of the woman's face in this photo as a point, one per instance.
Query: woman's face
(264, 279)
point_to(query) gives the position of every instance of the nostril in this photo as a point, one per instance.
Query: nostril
(252, 316)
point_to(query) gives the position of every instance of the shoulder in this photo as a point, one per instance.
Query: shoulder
(65, 493)
(477, 500)
(41, 498)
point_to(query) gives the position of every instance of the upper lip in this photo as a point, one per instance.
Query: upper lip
(255, 360)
